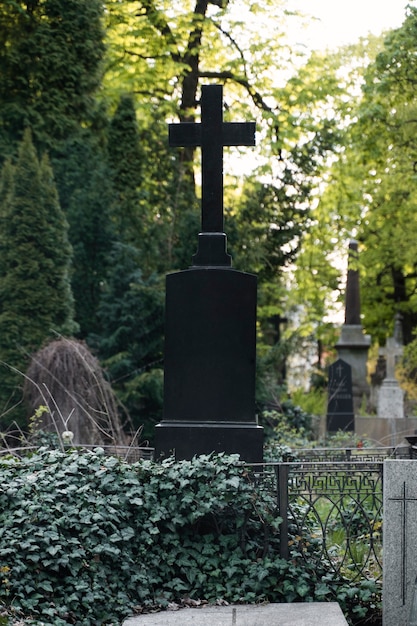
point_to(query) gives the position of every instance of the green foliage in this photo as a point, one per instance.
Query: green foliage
(406, 371)
(50, 65)
(346, 439)
(86, 194)
(286, 430)
(84, 538)
(268, 230)
(313, 402)
(126, 161)
(130, 344)
(35, 293)
(86, 528)
(371, 191)
(155, 208)
(142, 395)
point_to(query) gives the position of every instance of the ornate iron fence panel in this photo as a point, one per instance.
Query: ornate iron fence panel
(356, 454)
(332, 512)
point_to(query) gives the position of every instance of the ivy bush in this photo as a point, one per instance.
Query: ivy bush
(85, 538)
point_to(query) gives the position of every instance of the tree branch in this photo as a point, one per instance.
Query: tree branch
(161, 25)
(244, 82)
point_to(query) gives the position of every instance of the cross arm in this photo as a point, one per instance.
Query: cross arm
(239, 134)
(188, 134)
(184, 135)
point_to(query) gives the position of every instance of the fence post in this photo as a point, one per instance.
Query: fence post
(282, 471)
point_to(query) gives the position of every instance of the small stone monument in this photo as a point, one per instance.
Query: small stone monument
(340, 414)
(210, 324)
(353, 345)
(399, 541)
(391, 396)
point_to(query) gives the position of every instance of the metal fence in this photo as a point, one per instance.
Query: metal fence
(330, 502)
(333, 512)
(131, 454)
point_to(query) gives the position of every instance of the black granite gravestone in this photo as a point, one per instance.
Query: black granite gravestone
(340, 398)
(210, 325)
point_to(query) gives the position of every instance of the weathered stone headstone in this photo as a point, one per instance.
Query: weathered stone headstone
(391, 396)
(340, 414)
(399, 541)
(353, 345)
(210, 328)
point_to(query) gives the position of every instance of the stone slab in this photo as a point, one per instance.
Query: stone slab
(391, 400)
(296, 614)
(399, 540)
(379, 430)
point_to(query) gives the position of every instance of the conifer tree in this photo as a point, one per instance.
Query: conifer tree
(131, 341)
(35, 293)
(51, 64)
(126, 163)
(51, 54)
(86, 195)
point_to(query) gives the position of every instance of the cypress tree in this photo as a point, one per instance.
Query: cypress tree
(126, 163)
(51, 65)
(86, 195)
(35, 292)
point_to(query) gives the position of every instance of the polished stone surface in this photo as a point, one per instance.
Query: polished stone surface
(399, 540)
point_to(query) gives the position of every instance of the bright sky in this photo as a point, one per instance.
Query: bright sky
(343, 22)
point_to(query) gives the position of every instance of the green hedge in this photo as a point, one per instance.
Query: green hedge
(85, 538)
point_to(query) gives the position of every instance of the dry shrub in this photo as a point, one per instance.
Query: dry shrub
(68, 380)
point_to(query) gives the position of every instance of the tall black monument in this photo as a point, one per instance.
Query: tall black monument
(353, 345)
(210, 325)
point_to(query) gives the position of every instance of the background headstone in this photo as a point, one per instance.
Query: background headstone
(399, 540)
(340, 414)
(353, 345)
(390, 395)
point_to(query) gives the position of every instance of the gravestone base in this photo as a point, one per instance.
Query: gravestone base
(391, 400)
(183, 440)
(340, 421)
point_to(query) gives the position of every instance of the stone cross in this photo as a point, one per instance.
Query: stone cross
(391, 352)
(212, 135)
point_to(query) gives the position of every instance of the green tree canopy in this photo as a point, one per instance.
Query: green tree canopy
(51, 55)
(371, 186)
